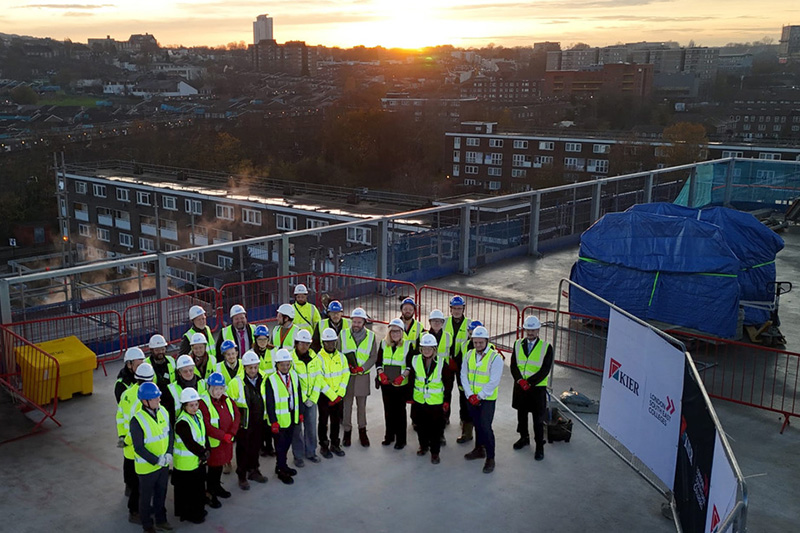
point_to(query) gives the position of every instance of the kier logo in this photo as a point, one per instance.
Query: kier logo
(670, 406)
(714, 519)
(613, 369)
(615, 372)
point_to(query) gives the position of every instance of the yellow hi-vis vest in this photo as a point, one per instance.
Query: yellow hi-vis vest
(170, 367)
(480, 374)
(310, 376)
(128, 404)
(396, 356)
(285, 417)
(335, 374)
(185, 460)
(530, 364)
(459, 337)
(223, 369)
(443, 348)
(176, 390)
(428, 389)
(306, 316)
(284, 341)
(213, 416)
(156, 438)
(413, 334)
(362, 350)
(211, 348)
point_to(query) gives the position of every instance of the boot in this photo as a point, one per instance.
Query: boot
(435, 459)
(347, 438)
(337, 450)
(443, 441)
(214, 502)
(362, 436)
(257, 476)
(227, 469)
(324, 450)
(466, 433)
(387, 440)
(244, 484)
(222, 493)
(539, 453)
(524, 440)
(488, 467)
(479, 452)
(285, 477)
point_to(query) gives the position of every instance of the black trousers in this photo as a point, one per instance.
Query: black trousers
(430, 426)
(463, 408)
(538, 408)
(152, 497)
(267, 438)
(132, 482)
(190, 493)
(327, 412)
(283, 441)
(213, 480)
(448, 377)
(482, 418)
(394, 412)
(248, 447)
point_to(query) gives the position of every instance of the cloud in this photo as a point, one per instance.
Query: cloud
(78, 14)
(65, 6)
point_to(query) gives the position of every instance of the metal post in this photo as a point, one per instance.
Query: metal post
(382, 267)
(728, 193)
(162, 292)
(463, 258)
(533, 240)
(597, 192)
(692, 187)
(283, 269)
(6, 316)
(648, 187)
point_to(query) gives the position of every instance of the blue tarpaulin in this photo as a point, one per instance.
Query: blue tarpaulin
(672, 269)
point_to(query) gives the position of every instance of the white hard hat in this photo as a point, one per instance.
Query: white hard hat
(145, 372)
(302, 336)
(183, 362)
(428, 340)
(132, 354)
(436, 314)
(286, 310)
(196, 311)
(158, 341)
(359, 312)
(329, 335)
(480, 333)
(189, 395)
(300, 289)
(237, 310)
(532, 322)
(250, 358)
(281, 356)
(397, 323)
(198, 338)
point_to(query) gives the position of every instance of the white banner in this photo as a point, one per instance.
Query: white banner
(640, 404)
(722, 492)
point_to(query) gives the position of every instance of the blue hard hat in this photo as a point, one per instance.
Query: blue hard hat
(335, 307)
(148, 391)
(215, 380)
(408, 301)
(474, 324)
(262, 331)
(227, 345)
(456, 300)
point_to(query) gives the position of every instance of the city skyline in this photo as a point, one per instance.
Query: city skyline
(409, 24)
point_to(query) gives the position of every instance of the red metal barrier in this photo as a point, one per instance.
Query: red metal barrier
(502, 319)
(581, 338)
(30, 374)
(380, 298)
(262, 297)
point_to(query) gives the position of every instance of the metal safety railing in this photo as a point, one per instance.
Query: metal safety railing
(380, 298)
(261, 297)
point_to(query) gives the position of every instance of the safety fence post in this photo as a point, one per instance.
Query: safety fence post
(533, 239)
(464, 252)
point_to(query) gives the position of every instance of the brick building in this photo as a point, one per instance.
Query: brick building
(618, 79)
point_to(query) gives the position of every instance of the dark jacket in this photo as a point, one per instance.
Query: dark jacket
(523, 399)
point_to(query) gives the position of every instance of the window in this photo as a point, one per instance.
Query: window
(313, 223)
(83, 230)
(520, 145)
(146, 245)
(495, 171)
(469, 182)
(521, 160)
(542, 160)
(519, 173)
(99, 190)
(474, 157)
(455, 170)
(496, 159)
(661, 151)
(728, 153)
(251, 216)
(457, 143)
(225, 212)
(359, 235)
(194, 207)
(494, 185)
(765, 174)
(572, 147)
(769, 156)
(223, 236)
(170, 203)
(103, 235)
(495, 143)
(456, 156)
(598, 165)
(123, 195)
(746, 127)
(601, 149)
(546, 145)
(470, 169)
(225, 262)
(142, 198)
(286, 222)
(169, 247)
(777, 127)
(80, 187)
(126, 240)
(573, 163)
(473, 141)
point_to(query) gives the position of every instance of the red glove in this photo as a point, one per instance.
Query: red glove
(352, 369)
(227, 438)
(384, 378)
(446, 406)
(335, 400)
(359, 369)
(398, 380)
(452, 364)
(276, 428)
(474, 400)
(301, 419)
(524, 384)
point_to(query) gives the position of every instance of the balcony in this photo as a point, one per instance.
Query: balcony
(149, 229)
(122, 223)
(105, 220)
(200, 240)
(169, 234)
(227, 248)
(82, 215)
(573, 167)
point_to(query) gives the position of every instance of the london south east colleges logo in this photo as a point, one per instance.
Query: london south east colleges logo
(615, 372)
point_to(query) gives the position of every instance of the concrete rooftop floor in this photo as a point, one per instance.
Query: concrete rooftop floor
(70, 478)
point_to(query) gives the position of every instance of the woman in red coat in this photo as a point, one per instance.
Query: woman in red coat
(222, 422)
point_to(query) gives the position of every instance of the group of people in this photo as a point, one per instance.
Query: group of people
(266, 392)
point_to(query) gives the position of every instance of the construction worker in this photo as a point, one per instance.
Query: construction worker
(335, 320)
(444, 349)
(132, 359)
(306, 315)
(359, 347)
(221, 418)
(531, 361)
(463, 404)
(263, 349)
(229, 367)
(480, 377)
(412, 329)
(283, 333)
(251, 431)
(163, 366)
(198, 324)
(190, 455)
(283, 399)
(153, 441)
(203, 366)
(336, 375)
(456, 327)
(186, 377)
(394, 360)
(239, 331)
(429, 393)
(309, 371)
(125, 411)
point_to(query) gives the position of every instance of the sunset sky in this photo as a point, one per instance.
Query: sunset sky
(405, 23)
